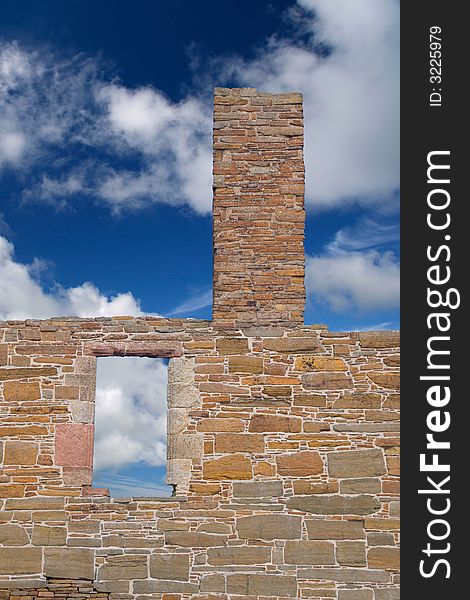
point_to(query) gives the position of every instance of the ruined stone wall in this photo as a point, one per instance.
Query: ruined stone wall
(286, 455)
(282, 438)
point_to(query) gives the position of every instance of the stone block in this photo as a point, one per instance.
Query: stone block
(358, 594)
(351, 554)
(12, 490)
(82, 411)
(185, 446)
(20, 453)
(387, 557)
(358, 400)
(20, 561)
(220, 424)
(69, 563)
(320, 529)
(319, 363)
(299, 464)
(293, 345)
(366, 485)
(74, 444)
(264, 423)
(387, 593)
(177, 420)
(212, 583)
(356, 463)
(239, 442)
(262, 585)
(125, 567)
(8, 373)
(269, 527)
(189, 539)
(13, 535)
(36, 503)
(344, 575)
(335, 504)
(327, 381)
(385, 379)
(239, 555)
(16, 391)
(257, 489)
(302, 552)
(49, 536)
(77, 476)
(232, 346)
(169, 566)
(233, 466)
(379, 339)
(183, 395)
(245, 364)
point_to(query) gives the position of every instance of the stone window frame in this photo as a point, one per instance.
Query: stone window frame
(184, 448)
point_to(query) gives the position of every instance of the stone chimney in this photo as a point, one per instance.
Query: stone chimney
(258, 208)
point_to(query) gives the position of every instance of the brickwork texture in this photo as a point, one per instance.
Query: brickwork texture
(283, 438)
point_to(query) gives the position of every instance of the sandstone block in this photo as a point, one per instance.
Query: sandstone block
(356, 463)
(259, 585)
(358, 400)
(36, 503)
(20, 561)
(124, 567)
(327, 381)
(20, 453)
(299, 464)
(310, 400)
(245, 364)
(169, 566)
(13, 490)
(234, 466)
(293, 345)
(319, 363)
(269, 527)
(304, 486)
(367, 485)
(239, 442)
(351, 554)
(363, 504)
(220, 424)
(359, 594)
(16, 431)
(257, 489)
(385, 379)
(387, 594)
(379, 339)
(13, 535)
(239, 555)
(386, 557)
(68, 563)
(189, 539)
(277, 423)
(345, 575)
(14, 390)
(301, 552)
(320, 529)
(82, 411)
(49, 536)
(7, 374)
(232, 346)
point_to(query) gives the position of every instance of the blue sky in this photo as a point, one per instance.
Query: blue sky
(105, 151)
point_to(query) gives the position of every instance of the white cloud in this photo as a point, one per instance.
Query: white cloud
(362, 280)
(351, 96)
(353, 272)
(131, 410)
(22, 296)
(122, 486)
(58, 112)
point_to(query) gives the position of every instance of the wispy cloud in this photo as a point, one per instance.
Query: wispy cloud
(136, 147)
(123, 486)
(195, 302)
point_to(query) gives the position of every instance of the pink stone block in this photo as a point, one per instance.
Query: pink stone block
(74, 444)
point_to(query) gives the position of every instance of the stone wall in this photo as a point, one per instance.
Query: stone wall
(288, 459)
(283, 444)
(258, 207)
